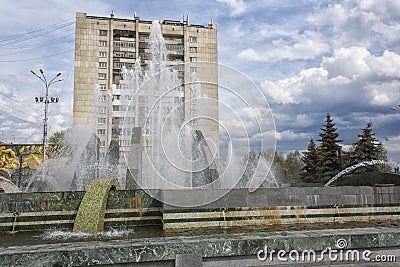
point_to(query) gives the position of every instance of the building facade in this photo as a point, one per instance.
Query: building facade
(104, 45)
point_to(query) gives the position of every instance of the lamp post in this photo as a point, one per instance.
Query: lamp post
(46, 102)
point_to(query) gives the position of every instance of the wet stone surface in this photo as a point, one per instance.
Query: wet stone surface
(166, 248)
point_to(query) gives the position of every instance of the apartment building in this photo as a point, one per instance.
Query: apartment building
(104, 45)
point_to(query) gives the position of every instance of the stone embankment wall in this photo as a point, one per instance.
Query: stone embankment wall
(34, 211)
(266, 206)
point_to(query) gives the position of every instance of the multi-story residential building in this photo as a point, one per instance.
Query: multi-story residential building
(104, 45)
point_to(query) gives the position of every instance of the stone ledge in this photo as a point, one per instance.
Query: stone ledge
(166, 248)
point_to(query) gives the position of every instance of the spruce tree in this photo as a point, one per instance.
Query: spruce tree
(329, 160)
(366, 148)
(310, 170)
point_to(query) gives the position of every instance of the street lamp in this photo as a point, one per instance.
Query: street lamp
(46, 102)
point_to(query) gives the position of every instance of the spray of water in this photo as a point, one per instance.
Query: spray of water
(359, 165)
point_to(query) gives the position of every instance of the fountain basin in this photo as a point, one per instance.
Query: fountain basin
(265, 206)
(197, 251)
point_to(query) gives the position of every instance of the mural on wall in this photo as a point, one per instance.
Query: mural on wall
(25, 159)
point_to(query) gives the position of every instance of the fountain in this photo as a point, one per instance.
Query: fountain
(169, 141)
(90, 216)
(175, 181)
(359, 165)
(7, 186)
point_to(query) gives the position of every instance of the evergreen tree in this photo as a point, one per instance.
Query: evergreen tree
(382, 155)
(310, 170)
(366, 148)
(329, 160)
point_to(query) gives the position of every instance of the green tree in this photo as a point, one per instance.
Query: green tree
(329, 160)
(310, 170)
(382, 155)
(285, 168)
(382, 152)
(58, 138)
(366, 148)
(293, 165)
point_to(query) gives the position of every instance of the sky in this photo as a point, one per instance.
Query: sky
(307, 58)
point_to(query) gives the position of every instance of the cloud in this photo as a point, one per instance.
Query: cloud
(360, 23)
(237, 6)
(352, 84)
(307, 45)
(351, 75)
(291, 135)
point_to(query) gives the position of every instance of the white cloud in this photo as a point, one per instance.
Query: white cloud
(349, 75)
(291, 135)
(307, 45)
(360, 23)
(237, 6)
(303, 120)
(347, 62)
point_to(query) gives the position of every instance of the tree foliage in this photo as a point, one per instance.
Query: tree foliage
(310, 169)
(323, 162)
(329, 150)
(366, 148)
(285, 168)
(293, 165)
(58, 138)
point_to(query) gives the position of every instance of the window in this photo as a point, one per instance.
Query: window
(193, 69)
(120, 86)
(124, 142)
(116, 97)
(117, 108)
(103, 33)
(117, 120)
(101, 120)
(101, 110)
(175, 47)
(102, 54)
(193, 49)
(116, 131)
(124, 44)
(102, 76)
(102, 43)
(102, 98)
(193, 59)
(102, 65)
(102, 143)
(127, 131)
(102, 87)
(192, 39)
(101, 131)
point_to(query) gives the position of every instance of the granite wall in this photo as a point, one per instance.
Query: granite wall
(238, 207)
(32, 211)
(271, 206)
